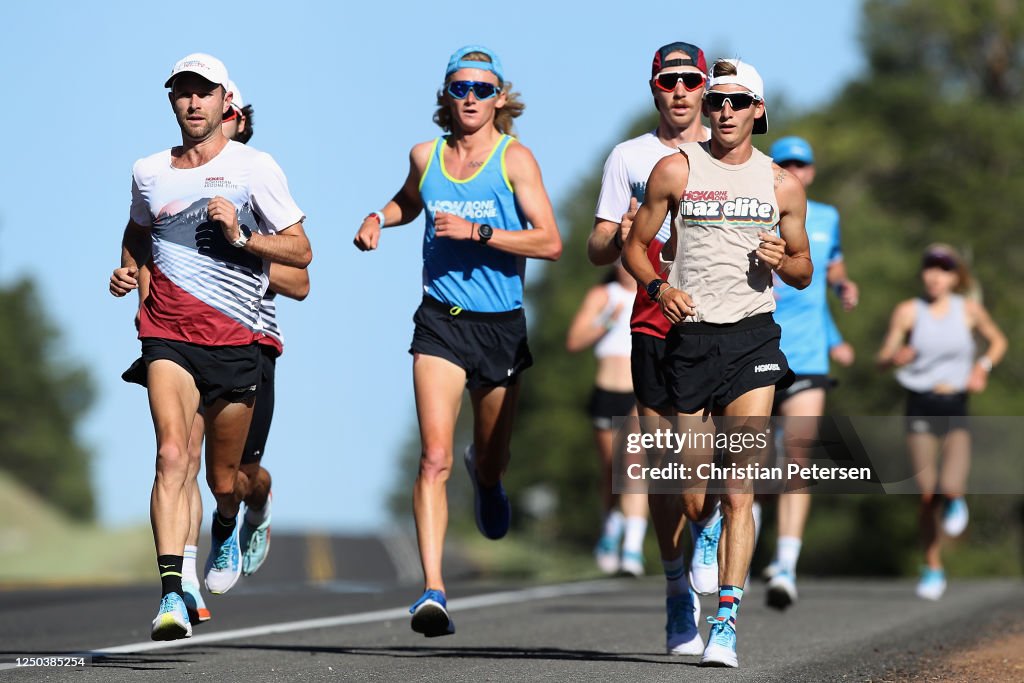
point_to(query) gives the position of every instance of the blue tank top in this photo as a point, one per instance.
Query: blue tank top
(803, 314)
(465, 273)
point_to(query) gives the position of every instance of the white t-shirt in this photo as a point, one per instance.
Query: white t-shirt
(625, 175)
(203, 290)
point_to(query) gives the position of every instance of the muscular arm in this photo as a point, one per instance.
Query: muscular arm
(288, 281)
(794, 266)
(845, 288)
(664, 187)
(403, 207)
(288, 247)
(542, 240)
(990, 332)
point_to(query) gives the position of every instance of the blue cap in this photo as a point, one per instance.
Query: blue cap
(457, 62)
(792, 148)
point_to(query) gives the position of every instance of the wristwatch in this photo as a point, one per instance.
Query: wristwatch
(485, 231)
(653, 287)
(244, 234)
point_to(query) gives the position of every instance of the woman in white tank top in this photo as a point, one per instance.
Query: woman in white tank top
(603, 322)
(931, 342)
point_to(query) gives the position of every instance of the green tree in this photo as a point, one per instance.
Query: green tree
(42, 398)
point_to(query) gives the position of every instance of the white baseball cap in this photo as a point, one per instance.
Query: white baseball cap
(207, 66)
(747, 76)
(236, 96)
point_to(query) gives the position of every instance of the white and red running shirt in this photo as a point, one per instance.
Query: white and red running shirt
(203, 290)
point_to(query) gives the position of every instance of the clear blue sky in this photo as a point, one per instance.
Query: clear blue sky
(341, 90)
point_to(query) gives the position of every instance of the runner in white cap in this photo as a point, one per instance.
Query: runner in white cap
(726, 200)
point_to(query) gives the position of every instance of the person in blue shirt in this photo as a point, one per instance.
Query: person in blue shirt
(809, 335)
(486, 212)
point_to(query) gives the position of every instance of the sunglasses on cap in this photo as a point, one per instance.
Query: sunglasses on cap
(481, 90)
(691, 80)
(231, 114)
(737, 100)
(938, 259)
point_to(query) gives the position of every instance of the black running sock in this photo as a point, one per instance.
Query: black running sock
(170, 573)
(222, 528)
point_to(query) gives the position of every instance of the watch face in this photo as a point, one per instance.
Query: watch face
(653, 287)
(486, 231)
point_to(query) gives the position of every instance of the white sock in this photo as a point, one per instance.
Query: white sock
(613, 524)
(633, 542)
(787, 553)
(755, 509)
(188, 567)
(676, 581)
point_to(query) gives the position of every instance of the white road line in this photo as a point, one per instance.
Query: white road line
(456, 605)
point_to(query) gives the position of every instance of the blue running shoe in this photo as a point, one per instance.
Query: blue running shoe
(197, 610)
(954, 516)
(681, 634)
(255, 542)
(932, 584)
(430, 615)
(493, 511)
(171, 621)
(224, 563)
(721, 649)
(781, 590)
(704, 563)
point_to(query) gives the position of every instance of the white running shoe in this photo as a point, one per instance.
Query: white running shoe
(606, 554)
(721, 649)
(769, 572)
(954, 517)
(632, 563)
(704, 563)
(932, 584)
(224, 563)
(781, 590)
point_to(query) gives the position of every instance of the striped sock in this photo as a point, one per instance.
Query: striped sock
(676, 582)
(188, 569)
(170, 573)
(729, 604)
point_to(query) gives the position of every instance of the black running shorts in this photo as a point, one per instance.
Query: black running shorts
(231, 373)
(263, 411)
(605, 405)
(802, 383)
(931, 413)
(647, 364)
(709, 366)
(490, 347)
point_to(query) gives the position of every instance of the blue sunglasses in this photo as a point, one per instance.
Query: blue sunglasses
(482, 91)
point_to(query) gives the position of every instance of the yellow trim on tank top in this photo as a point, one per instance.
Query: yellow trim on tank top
(444, 171)
(504, 169)
(430, 160)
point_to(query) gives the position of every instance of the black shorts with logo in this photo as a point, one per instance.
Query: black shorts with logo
(938, 414)
(605, 405)
(263, 410)
(490, 347)
(647, 362)
(709, 366)
(231, 373)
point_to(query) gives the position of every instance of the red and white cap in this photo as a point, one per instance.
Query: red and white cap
(207, 66)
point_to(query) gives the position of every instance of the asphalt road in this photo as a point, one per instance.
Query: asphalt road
(280, 627)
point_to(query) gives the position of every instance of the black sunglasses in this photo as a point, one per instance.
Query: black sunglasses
(668, 81)
(737, 100)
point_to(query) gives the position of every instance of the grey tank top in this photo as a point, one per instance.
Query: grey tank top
(720, 213)
(945, 349)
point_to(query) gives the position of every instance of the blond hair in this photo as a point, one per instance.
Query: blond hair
(503, 117)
